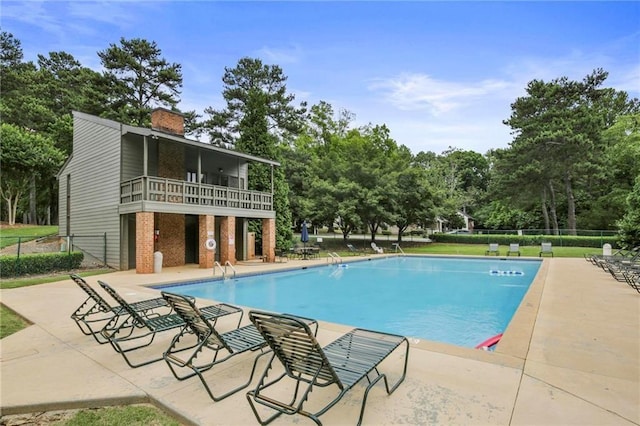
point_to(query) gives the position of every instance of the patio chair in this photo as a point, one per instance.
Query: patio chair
(375, 248)
(130, 332)
(283, 255)
(95, 311)
(353, 251)
(545, 248)
(632, 277)
(343, 364)
(514, 249)
(209, 347)
(493, 249)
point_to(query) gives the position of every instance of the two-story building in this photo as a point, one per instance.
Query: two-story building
(153, 190)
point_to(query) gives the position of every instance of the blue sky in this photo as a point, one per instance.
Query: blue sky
(438, 74)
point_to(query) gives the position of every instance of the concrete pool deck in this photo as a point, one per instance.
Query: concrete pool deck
(570, 356)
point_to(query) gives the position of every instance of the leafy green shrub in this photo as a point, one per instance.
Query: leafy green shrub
(526, 240)
(42, 263)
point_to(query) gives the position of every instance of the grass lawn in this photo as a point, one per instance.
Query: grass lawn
(10, 235)
(132, 415)
(26, 282)
(10, 322)
(480, 249)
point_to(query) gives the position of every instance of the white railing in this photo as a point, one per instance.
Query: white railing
(334, 257)
(147, 188)
(397, 247)
(217, 264)
(227, 263)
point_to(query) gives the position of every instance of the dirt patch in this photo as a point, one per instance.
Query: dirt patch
(41, 245)
(37, 419)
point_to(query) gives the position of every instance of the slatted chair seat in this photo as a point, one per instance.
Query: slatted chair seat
(209, 347)
(343, 363)
(133, 331)
(95, 311)
(493, 249)
(545, 248)
(514, 249)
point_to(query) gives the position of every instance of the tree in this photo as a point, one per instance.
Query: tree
(24, 154)
(414, 201)
(558, 125)
(139, 79)
(40, 98)
(258, 116)
(68, 86)
(629, 225)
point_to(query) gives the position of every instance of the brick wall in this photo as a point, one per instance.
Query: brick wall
(144, 242)
(206, 225)
(171, 238)
(171, 161)
(227, 243)
(269, 240)
(167, 121)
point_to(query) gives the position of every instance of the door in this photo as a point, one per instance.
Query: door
(191, 248)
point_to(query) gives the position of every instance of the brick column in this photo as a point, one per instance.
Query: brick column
(171, 238)
(269, 240)
(206, 230)
(227, 243)
(144, 242)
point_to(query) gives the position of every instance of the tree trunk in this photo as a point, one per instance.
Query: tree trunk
(552, 209)
(545, 212)
(401, 230)
(373, 227)
(571, 205)
(33, 214)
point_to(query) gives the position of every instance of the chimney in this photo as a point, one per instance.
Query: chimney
(167, 121)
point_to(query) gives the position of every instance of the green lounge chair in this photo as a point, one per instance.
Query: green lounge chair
(133, 331)
(514, 249)
(208, 344)
(344, 363)
(545, 248)
(95, 311)
(493, 249)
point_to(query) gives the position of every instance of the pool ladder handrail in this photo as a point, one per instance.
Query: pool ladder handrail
(216, 263)
(334, 257)
(227, 263)
(397, 247)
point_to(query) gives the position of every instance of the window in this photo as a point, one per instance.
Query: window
(192, 176)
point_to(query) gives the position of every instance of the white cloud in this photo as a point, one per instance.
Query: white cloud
(33, 13)
(411, 91)
(281, 55)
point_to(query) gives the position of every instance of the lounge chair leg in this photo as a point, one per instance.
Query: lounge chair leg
(239, 388)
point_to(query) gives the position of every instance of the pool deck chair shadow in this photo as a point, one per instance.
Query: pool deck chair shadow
(209, 347)
(92, 315)
(493, 249)
(545, 248)
(133, 331)
(344, 363)
(514, 249)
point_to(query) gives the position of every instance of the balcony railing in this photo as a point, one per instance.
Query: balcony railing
(147, 188)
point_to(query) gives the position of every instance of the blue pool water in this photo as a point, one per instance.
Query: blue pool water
(451, 300)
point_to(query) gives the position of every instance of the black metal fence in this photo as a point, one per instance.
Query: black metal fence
(93, 246)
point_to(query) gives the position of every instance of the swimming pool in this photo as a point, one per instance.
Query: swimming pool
(461, 301)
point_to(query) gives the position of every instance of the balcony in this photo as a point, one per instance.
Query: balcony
(176, 192)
